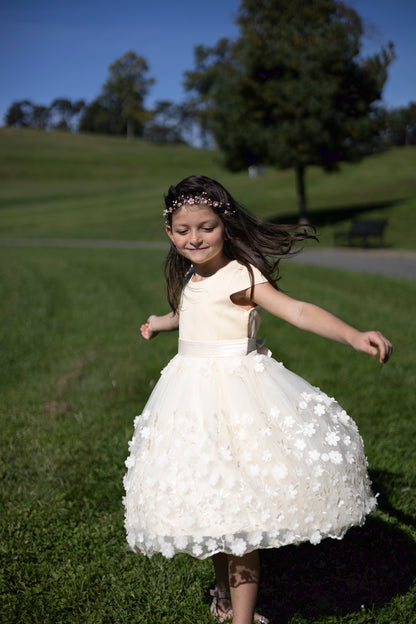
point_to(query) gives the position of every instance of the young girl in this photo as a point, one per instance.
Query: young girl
(233, 452)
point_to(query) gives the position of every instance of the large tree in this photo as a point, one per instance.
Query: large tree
(292, 90)
(127, 86)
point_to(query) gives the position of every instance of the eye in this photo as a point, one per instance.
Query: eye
(208, 229)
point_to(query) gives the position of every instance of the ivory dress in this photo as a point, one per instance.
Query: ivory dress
(234, 452)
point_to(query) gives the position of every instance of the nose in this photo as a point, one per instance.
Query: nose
(195, 238)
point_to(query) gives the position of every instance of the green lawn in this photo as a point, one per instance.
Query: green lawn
(74, 373)
(63, 185)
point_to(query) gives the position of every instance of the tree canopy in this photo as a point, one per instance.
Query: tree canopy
(126, 87)
(292, 90)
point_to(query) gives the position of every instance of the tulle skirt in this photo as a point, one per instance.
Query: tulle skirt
(236, 452)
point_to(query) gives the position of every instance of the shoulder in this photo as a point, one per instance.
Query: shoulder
(243, 277)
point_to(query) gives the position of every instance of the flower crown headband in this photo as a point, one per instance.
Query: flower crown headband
(192, 200)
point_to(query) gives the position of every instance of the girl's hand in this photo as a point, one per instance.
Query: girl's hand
(147, 330)
(373, 342)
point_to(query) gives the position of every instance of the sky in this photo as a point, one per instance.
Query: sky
(62, 48)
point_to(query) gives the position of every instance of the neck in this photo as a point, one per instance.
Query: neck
(202, 272)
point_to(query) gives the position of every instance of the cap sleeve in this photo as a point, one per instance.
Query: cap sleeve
(241, 278)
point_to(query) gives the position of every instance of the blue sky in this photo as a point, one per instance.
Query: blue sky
(56, 48)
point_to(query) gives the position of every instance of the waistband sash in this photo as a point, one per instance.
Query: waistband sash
(220, 348)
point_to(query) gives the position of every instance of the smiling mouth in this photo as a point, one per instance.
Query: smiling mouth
(198, 249)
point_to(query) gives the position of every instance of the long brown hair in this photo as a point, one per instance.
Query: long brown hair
(249, 240)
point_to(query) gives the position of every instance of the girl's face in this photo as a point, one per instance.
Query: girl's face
(198, 234)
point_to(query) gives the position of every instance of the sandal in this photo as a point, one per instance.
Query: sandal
(224, 616)
(217, 612)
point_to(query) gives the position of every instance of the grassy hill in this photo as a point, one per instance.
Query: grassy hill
(64, 185)
(74, 373)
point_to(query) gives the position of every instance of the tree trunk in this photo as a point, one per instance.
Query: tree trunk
(300, 187)
(130, 129)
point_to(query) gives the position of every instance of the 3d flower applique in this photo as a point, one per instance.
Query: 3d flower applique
(256, 538)
(315, 538)
(267, 456)
(343, 417)
(197, 550)
(279, 471)
(291, 492)
(308, 430)
(266, 432)
(211, 545)
(335, 457)
(319, 409)
(303, 405)
(300, 444)
(239, 546)
(347, 440)
(146, 415)
(274, 413)
(314, 455)
(289, 421)
(167, 550)
(181, 542)
(306, 396)
(130, 462)
(258, 363)
(145, 433)
(332, 438)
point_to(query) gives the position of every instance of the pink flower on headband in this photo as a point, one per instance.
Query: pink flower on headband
(197, 200)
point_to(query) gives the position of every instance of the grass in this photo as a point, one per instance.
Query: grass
(74, 376)
(74, 373)
(63, 185)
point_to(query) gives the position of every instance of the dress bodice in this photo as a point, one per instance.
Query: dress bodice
(207, 313)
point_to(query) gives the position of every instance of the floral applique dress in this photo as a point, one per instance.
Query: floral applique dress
(234, 452)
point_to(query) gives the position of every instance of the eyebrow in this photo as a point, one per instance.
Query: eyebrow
(210, 221)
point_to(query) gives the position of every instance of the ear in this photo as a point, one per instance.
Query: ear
(169, 233)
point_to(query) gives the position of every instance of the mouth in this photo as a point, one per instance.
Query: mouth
(198, 249)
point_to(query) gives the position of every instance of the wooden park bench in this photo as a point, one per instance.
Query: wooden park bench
(363, 232)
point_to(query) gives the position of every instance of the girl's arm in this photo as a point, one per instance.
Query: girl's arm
(156, 324)
(312, 318)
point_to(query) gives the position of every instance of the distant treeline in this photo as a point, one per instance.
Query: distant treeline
(165, 123)
(291, 90)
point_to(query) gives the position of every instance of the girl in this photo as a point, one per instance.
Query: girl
(233, 452)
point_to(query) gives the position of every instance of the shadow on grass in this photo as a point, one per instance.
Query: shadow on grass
(370, 566)
(331, 216)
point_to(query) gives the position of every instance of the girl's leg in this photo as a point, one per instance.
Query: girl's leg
(223, 601)
(244, 575)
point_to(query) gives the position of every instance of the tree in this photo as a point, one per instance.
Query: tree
(103, 116)
(292, 90)
(401, 125)
(19, 114)
(166, 123)
(41, 116)
(127, 87)
(65, 111)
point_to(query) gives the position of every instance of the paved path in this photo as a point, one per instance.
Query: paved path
(401, 264)
(393, 263)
